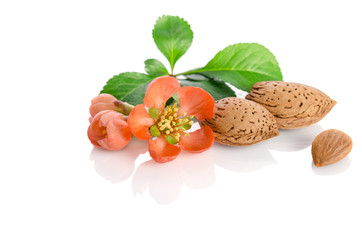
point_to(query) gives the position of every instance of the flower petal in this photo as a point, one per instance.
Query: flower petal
(103, 98)
(93, 137)
(109, 130)
(159, 91)
(98, 107)
(161, 151)
(139, 122)
(198, 141)
(118, 135)
(95, 128)
(106, 116)
(197, 102)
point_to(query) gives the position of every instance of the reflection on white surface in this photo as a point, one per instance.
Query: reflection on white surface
(249, 158)
(164, 181)
(198, 170)
(294, 139)
(332, 169)
(117, 166)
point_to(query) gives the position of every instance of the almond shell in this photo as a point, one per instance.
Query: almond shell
(240, 122)
(293, 105)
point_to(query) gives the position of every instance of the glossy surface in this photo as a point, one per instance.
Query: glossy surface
(55, 57)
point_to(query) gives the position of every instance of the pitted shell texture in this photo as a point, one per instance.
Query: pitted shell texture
(240, 122)
(293, 105)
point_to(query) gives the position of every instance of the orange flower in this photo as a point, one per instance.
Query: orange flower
(106, 101)
(165, 127)
(109, 130)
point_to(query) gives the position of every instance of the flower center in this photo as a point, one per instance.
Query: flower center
(171, 124)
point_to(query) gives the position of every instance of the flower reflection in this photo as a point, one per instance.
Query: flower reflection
(164, 181)
(117, 166)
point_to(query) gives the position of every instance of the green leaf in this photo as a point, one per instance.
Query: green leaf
(176, 99)
(170, 101)
(242, 65)
(129, 87)
(173, 37)
(155, 68)
(218, 89)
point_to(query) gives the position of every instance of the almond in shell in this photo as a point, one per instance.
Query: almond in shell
(240, 122)
(293, 105)
(330, 146)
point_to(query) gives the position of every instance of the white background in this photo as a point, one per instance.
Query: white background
(55, 56)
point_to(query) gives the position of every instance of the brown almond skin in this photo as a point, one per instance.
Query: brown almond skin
(240, 122)
(330, 146)
(293, 105)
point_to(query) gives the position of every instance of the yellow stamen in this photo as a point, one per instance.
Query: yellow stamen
(173, 123)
